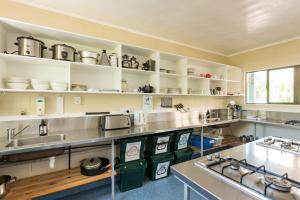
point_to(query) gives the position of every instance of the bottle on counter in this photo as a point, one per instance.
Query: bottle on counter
(43, 128)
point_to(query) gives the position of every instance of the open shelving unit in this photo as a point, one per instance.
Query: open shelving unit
(108, 79)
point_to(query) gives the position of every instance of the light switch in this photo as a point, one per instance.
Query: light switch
(77, 100)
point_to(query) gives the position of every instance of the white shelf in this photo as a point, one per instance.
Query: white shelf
(137, 71)
(108, 77)
(92, 66)
(170, 75)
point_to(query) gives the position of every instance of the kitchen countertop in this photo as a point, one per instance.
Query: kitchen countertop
(270, 122)
(89, 136)
(204, 181)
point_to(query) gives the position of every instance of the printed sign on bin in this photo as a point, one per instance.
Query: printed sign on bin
(162, 170)
(132, 151)
(162, 145)
(183, 141)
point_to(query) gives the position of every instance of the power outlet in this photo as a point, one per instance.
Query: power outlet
(125, 110)
(77, 100)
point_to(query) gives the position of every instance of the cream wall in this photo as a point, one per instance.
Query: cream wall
(13, 104)
(280, 55)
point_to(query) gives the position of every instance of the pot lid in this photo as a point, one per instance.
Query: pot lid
(92, 163)
(64, 46)
(4, 179)
(30, 38)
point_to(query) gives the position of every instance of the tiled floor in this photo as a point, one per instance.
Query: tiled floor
(164, 189)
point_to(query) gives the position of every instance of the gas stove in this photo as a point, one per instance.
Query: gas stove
(256, 180)
(280, 144)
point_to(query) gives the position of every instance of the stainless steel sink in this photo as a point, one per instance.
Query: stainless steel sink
(35, 154)
(36, 140)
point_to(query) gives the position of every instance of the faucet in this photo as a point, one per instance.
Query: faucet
(11, 132)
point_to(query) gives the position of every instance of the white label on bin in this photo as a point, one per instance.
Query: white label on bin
(162, 170)
(132, 151)
(183, 141)
(162, 145)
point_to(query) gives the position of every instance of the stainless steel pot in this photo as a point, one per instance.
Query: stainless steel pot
(89, 57)
(4, 180)
(63, 52)
(29, 46)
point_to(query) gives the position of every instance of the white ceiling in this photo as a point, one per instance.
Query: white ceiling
(223, 26)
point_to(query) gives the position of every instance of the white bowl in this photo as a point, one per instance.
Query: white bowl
(58, 86)
(40, 86)
(19, 86)
(39, 82)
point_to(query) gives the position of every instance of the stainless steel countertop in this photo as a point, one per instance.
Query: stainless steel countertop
(270, 122)
(89, 136)
(204, 180)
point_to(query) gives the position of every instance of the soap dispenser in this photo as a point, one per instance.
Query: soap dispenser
(43, 129)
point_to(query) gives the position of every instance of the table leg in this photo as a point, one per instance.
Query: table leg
(186, 192)
(112, 169)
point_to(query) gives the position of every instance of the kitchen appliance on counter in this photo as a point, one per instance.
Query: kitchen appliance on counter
(89, 57)
(94, 166)
(257, 180)
(29, 46)
(4, 181)
(112, 122)
(63, 52)
(281, 144)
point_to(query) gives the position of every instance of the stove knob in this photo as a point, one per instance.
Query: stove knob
(209, 157)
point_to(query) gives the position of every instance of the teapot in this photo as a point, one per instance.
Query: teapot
(146, 89)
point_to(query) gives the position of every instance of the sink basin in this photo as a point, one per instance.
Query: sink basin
(35, 154)
(36, 140)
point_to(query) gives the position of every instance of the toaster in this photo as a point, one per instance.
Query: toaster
(110, 122)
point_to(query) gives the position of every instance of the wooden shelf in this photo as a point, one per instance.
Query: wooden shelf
(41, 185)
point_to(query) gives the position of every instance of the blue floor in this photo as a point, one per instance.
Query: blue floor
(164, 189)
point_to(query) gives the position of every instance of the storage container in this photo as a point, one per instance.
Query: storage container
(180, 139)
(158, 144)
(131, 149)
(131, 175)
(217, 139)
(182, 155)
(195, 140)
(159, 166)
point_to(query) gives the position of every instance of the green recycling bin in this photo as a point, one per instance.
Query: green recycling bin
(131, 175)
(182, 155)
(131, 149)
(159, 166)
(181, 139)
(159, 144)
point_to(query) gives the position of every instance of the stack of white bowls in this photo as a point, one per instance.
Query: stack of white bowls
(17, 83)
(59, 86)
(39, 84)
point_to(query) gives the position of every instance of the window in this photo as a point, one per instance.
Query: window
(273, 86)
(257, 87)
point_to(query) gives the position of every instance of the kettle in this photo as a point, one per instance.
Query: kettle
(134, 63)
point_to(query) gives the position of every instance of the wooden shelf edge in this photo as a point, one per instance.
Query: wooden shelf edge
(46, 184)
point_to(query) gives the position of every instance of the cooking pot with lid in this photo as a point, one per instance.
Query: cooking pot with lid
(4, 180)
(29, 46)
(63, 52)
(94, 166)
(89, 57)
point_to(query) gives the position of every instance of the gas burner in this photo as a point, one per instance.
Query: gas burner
(235, 165)
(293, 122)
(269, 140)
(286, 144)
(278, 183)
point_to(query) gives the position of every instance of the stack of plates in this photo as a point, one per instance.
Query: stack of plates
(17, 83)
(39, 84)
(59, 86)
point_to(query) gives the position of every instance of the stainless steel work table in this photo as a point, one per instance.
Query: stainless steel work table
(89, 136)
(210, 185)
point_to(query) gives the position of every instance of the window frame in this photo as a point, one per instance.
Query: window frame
(267, 86)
